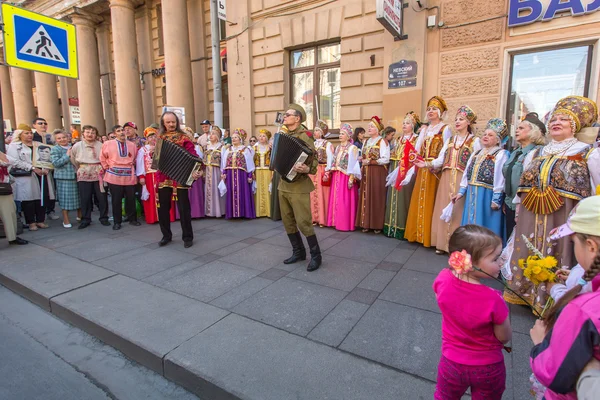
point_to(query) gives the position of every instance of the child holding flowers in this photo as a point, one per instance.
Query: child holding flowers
(568, 338)
(475, 323)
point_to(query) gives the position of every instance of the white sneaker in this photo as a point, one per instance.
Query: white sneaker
(67, 225)
(53, 216)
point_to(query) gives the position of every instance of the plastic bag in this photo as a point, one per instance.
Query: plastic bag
(447, 213)
(506, 255)
(222, 188)
(145, 194)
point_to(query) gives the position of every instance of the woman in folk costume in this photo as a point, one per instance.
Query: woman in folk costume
(452, 161)
(319, 198)
(343, 171)
(374, 161)
(482, 185)
(146, 175)
(262, 174)
(555, 178)
(237, 166)
(196, 191)
(213, 201)
(398, 199)
(429, 145)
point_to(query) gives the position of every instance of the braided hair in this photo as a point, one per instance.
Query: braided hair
(589, 275)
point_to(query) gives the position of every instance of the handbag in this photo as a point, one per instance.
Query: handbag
(18, 172)
(326, 183)
(5, 189)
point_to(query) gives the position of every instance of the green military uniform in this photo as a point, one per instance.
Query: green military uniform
(294, 197)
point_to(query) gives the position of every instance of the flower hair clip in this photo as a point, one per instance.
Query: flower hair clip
(460, 261)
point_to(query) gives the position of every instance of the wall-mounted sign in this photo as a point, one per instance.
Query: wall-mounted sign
(75, 115)
(402, 74)
(158, 71)
(389, 13)
(222, 10)
(523, 12)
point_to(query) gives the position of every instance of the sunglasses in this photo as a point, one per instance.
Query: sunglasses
(289, 115)
(42, 123)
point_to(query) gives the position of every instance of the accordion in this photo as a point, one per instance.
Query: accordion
(175, 162)
(287, 152)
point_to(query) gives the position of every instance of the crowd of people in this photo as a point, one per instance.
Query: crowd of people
(444, 186)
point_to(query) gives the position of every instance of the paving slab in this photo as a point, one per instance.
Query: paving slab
(520, 371)
(243, 229)
(101, 248)
(390, 266)
(292, 305)
(40, 274)
(210, 281)
(206, 244)
(425, 260)
(399, 336)
(143, 321)
(377, 280)
(261, 256)
(338, 323)
(336, 272)
(412, 288)
(161, 277)
(364, 296)
(369, 248)
(521, 318)
(399, 256)
(273, 274)
(240, 358)
(240, 293)
(150, 262)
(69, 238)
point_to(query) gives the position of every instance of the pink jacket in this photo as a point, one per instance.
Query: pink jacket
(558, 361)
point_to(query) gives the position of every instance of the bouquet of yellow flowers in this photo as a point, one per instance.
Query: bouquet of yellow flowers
(537, 268)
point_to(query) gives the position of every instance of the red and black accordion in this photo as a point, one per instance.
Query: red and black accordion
(175, 162)
(287, 152)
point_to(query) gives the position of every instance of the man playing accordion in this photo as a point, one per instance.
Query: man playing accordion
(167, 188)
(294, 197)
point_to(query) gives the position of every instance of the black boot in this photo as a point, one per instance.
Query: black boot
(315, 253)
(299, 252)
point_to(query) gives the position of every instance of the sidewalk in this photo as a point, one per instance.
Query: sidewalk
(227, 319)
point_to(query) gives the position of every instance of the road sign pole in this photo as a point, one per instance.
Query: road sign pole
(2, 142)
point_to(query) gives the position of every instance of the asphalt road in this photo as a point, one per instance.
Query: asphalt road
(42, 357)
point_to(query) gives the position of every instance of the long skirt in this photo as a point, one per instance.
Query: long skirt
(150, 205)
(240, 200)
(67, 193)
(213, 202)
(396, 209)
(319, 198)
(448, 187)
(420, 212)
(275, 212)
(371, 204)
(343, 202)
(478, 211)
(536, 228)
(262, 197)
(196, 195)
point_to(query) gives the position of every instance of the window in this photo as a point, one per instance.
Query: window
(315, 80)
(539, 79)
(159, 24)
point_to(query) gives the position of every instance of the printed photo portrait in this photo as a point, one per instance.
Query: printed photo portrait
(41, 156)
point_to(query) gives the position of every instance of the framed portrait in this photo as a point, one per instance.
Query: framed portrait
(41, 155)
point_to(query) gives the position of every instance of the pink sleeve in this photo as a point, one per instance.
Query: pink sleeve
(566, 349)
(189, 146)
(500, 311)
(104, 156)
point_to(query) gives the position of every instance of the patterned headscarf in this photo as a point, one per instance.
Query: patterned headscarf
(150, 131)
(265, 132)
(499, 127)
(468, 113)
(582, 111)
(347, 129)
(240, 132)
(439, 103)
(414, 120)
(377, 122)
(322, 126)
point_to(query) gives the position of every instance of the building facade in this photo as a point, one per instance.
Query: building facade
(504, 58)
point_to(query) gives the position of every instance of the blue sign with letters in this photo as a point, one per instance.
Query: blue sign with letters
(523, 12)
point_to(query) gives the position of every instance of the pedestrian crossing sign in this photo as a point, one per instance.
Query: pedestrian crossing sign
(39, 43)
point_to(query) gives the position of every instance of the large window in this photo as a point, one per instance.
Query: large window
(315, 80)
(539, 79)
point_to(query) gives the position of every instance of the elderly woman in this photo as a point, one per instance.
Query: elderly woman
(29, 179)
(483, 183)
(237, 166)
(555, 178)
(262, 174)
(422, 202)
(319, 198)
(530, 135)
(65, 177)
(8, 211)
(398, 199)
(374, 161)
(343, 171)
(452, 161)
(214, 202)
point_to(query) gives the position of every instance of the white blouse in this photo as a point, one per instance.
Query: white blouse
(248, 156)
(499, 162)
(439, 161)
(384, 149)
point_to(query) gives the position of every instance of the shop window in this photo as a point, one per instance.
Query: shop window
(539, 79)
(315, 83)
(159, 24)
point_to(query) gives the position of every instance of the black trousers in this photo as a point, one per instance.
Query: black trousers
(510, 221)
(50, 204)
(86, 190)
(185, 213)
(117, 192)
(34, 211)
